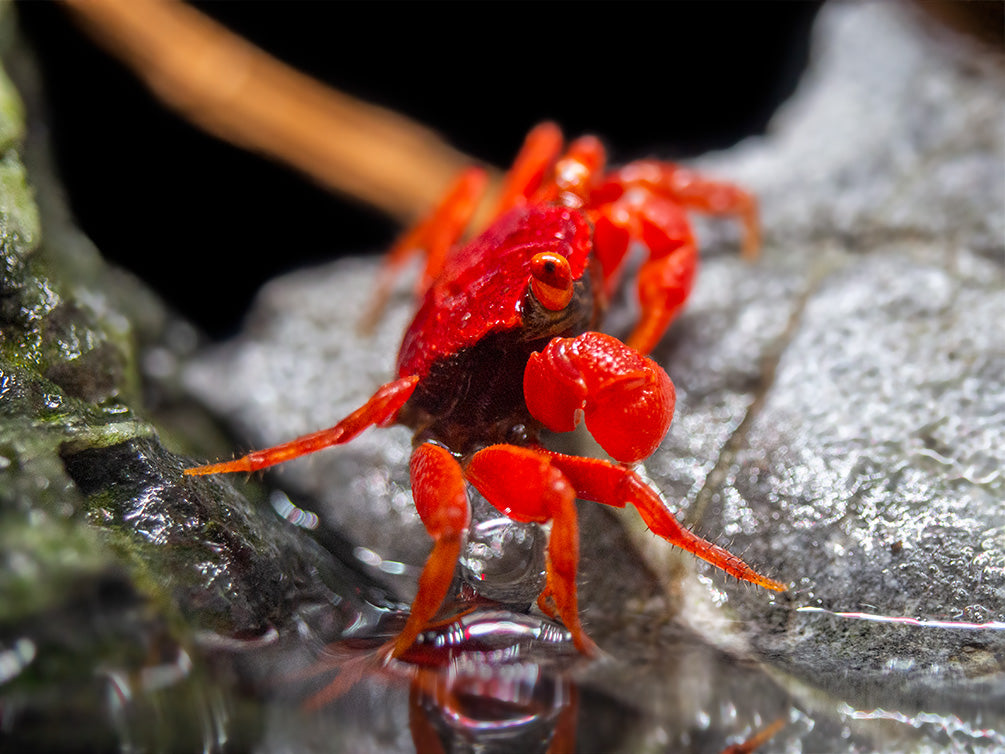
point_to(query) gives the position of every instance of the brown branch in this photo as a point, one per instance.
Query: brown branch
(237, 92)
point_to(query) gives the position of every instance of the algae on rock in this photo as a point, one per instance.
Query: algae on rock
(114, 569)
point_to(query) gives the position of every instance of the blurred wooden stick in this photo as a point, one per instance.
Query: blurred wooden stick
(237, 92)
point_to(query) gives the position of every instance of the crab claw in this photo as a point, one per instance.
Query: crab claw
(626, 399)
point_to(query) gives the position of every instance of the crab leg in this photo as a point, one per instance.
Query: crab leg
(380, 409)
(432, 236)
(664, 286)
(666, 278)
(539, 151)
(542, 174)
(441, 499)
(575, 174)
(527, 487)
(694, 191)
(610, 484)
(647, 201)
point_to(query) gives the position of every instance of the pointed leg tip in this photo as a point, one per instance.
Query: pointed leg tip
(216, 468)
(775, 586)
(196, 471)
(587, 647)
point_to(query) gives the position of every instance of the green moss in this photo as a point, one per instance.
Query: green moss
(11, 114)
(43, 559)
(110, 559)
(19, 220)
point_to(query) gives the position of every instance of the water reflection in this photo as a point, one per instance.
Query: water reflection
(14, 659)
(484, 680)
(165, 704)
(481, 680)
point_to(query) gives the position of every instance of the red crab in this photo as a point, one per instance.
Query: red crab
(503, 345)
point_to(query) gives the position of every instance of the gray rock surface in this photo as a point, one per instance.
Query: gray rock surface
(839, 424)
(867, 467)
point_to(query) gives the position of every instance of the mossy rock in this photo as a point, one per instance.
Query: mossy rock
(119, 578)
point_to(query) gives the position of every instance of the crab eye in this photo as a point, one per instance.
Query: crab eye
(551, 280)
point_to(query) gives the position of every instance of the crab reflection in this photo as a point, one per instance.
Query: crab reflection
(485, 679)
(489, 675)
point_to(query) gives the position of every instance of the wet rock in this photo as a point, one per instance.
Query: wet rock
(839, 419)
(873, 465)
(895, 133)
(278, 381)
(226, 567)
(120, 580)
(840, 424)
(863, 463)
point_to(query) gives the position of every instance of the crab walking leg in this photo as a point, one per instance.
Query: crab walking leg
(537, 155)
(433, 236)
(380, 409)
(664, 287)
(525, 486)
(648, 201)
(575, 174)
(610, 484)
(441, 499)
(694, 191)
(666, 278)
(424, 735)
(542, 174)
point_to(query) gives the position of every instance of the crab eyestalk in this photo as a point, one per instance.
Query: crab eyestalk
(626, 399)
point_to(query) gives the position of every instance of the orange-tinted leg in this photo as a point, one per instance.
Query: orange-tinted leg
(564, 739)
(541, 173)
(610, 484)
(666, 278)
(575, 174)
(648, 201)
(434, 236)
(694, 191)
(664, 286)
(425, 738)
(524, 485)
(757, 740)
(380, 409)
(536, 157)
(441, 499)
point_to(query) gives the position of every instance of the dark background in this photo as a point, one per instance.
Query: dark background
(206, 223)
